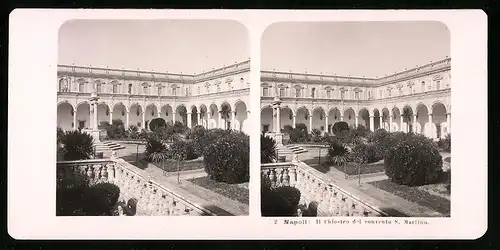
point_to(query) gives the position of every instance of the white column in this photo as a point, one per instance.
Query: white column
(110, 117)
(414, 123)
(380, 121)
(221, 123)
(431, 129)
(200, 120)
(173, 118)
(341, 118)
(402, 123)
(127, 119)
(158, 114)
(390, 123)
(143, 119)
(74, 121)
(233, 119)
(326, 124)
(189, 119)
(357, 121)
(448, 120)
(278, 118)
(310, 124)
(95, 117)
(372, 123)
(293, 121)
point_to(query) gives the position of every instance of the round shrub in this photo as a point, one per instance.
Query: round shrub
(157, 123)
(226, 157)
(338, 127)
(316, 135)
(267, 149)
(414, 161)
(196, 135)
(299, 134)
(281, 201)
(364, 153)
(100, 199)
(178, 150)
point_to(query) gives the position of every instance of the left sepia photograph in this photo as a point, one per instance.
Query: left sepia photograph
(152, 118)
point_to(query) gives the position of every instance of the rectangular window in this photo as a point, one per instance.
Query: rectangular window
(98, 88)
(115, 88)
(380, 93)
(160, 90)
(342, 94)
(174, 91)
(356, 95)
(282, 92)
(81, 87)
(297, 93)
(329, 94)
(145, 90)
(130, 88)
(265, 91)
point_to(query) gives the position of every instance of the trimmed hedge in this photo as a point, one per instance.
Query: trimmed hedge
(100, 199)
(157, 123)
(338, 127)
(413, 161)
(281, 201)
(226, 156)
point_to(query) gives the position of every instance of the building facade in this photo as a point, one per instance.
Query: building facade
(417, 100)
(218, 98)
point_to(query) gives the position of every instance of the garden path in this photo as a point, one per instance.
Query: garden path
(219, 204)
(386, 201)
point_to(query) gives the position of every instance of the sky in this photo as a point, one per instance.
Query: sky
(187, 46)
(362, 49)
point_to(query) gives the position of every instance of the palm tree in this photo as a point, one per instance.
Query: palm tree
(407, 116)
(225, 111)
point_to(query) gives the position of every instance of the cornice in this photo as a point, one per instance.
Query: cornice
(150, 76)
(291, 77)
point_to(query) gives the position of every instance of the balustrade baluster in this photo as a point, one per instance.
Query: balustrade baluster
(272, 177)
(293, 176)
(286, 177)
(104, 172)
(111, 173)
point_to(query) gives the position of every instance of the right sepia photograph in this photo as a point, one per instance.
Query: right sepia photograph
(356, 119)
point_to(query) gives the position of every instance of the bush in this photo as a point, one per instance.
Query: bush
(196, 135)
(59, 134)
(299, 134)
(337, 153)
(133, 132)
(382, 141)
(445, 144)
(267, 149)
(362, 131)
(338, 127)
(316, 135)
(103, 125)
(178, 150)
(281, 201)
(100, 199)
(167, 133)
(364, 153)
(77, 145)
(179, 128)
(116, 130)
(226, 158)
(413, 161)
(157, 123)
(156, 151)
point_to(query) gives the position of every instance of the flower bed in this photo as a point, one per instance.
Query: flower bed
(231, 191)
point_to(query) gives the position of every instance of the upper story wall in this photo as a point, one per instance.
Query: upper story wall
(75, 79)
(430, 77)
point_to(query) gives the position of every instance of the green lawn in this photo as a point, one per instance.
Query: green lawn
(232, 191)
(171, 165)
(416, 195)
(352, 168)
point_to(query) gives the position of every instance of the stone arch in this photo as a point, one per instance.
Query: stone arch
(349, 116)
(385, 118)
(408, 120)
(213, 114)
(334, 115)
(181, 113)
(65, 115)
(302, 116)
(68, 102)
(194, 115)
(377, 118)
(266, 119)
(364, 117)
(103, 113)
(135, 114)
(240, 116)
(439, 126)
(422, 112)
(396, 119)
(151, 112)
(83, 117)
(203, 115)
(120, 112)
(166, 112)
(225, 114)
(318, 118)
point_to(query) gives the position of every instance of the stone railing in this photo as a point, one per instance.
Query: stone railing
(150, 197)
(328, 198)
